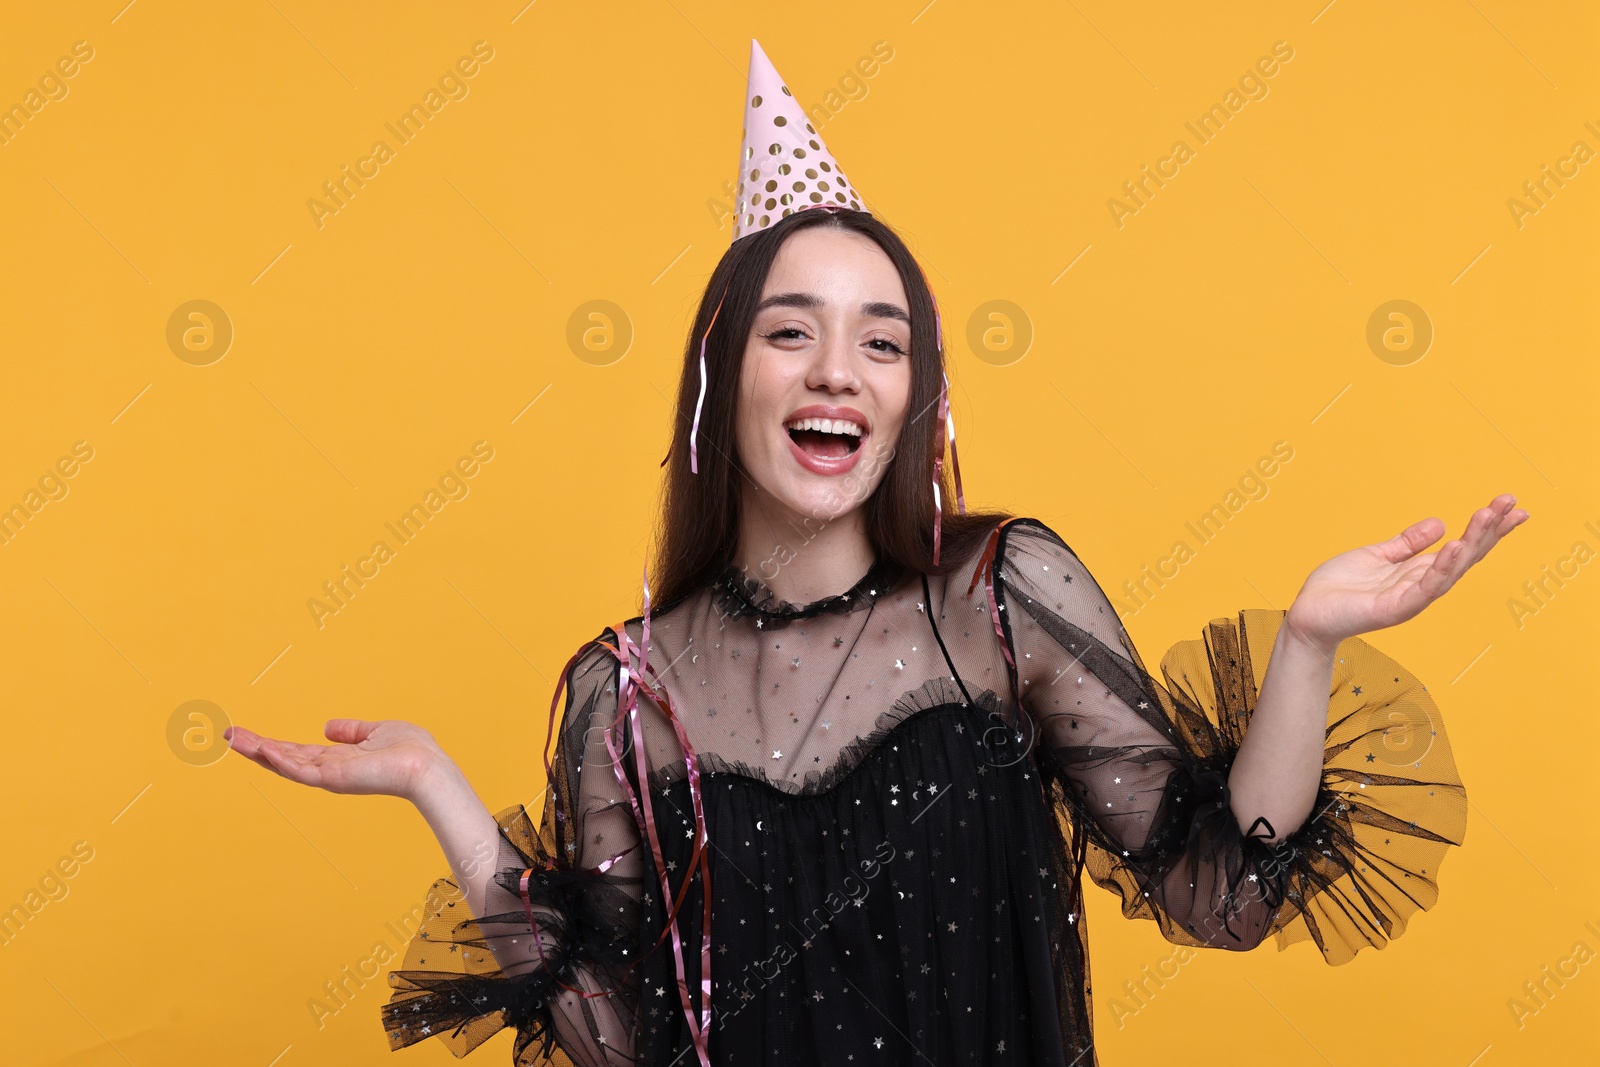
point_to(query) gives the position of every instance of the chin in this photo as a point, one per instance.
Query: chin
(826, 503)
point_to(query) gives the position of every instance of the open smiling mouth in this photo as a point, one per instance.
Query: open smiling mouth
(825, 438)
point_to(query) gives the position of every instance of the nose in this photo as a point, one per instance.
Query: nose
(833, 367)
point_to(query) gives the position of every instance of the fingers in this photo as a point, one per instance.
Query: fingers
(243, 741)
(1484, 529)
(257, 759)
(249, 745)
(1513, 518)
(1508, 514)
(301, 753)
(272, 758)
(248, 742)
(288, 765)
(274, 755)
(1489, 524)
(1481, 526)
(1448, 562)
(1503, 503)
(1435, 580)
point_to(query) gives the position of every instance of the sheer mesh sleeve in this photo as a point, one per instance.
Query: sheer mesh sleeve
(1141, 768)
(465, 978)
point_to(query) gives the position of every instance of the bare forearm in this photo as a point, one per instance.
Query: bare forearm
(471, 840)
(1278, 767)
(467, 832)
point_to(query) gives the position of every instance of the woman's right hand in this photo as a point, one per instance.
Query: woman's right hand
(389, 757)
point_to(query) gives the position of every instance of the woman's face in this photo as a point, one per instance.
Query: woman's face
(826, 378)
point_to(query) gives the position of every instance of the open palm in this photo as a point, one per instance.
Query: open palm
(388, 756)
(1385, 584)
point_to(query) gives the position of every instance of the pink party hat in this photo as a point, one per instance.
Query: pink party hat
(783, 165)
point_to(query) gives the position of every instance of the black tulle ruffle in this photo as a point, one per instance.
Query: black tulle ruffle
(1362, 863)
(452, 986)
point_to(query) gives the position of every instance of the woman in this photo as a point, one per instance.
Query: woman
(830, 796)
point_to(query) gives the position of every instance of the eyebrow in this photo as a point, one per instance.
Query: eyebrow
(876, 309)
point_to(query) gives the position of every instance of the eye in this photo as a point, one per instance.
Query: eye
(776, 334)
(887, 341)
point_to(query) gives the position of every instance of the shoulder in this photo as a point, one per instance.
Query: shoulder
(1026, 533)
(1032, 560)
(594, 662)
(1021, 543)
(668, 629)
(1014, 551)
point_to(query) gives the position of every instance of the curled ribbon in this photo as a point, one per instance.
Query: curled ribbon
(635, 678)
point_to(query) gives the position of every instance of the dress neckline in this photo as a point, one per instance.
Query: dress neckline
(740, 594)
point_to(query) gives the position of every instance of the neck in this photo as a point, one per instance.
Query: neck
(800, 558)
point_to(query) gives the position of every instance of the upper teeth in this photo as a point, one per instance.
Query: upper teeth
(826, 426)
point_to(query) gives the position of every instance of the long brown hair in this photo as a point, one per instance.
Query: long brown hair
(699, 523)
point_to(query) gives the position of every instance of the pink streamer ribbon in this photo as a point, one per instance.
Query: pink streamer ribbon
(694, 430)
(635, 674)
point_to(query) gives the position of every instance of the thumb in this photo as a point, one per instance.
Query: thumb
(348, 731)
(1413, 539)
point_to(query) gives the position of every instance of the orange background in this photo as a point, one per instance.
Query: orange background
(434, 309)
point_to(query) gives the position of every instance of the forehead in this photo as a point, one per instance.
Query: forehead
(840, 266)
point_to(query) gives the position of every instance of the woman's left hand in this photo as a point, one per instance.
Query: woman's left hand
(1387, 583)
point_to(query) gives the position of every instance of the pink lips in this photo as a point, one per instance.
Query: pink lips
(818, 464)
(828, 411)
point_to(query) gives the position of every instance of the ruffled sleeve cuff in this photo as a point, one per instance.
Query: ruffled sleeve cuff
(1389, 805)
(465, 979)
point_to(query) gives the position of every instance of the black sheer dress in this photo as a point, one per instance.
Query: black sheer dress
(901, 787)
